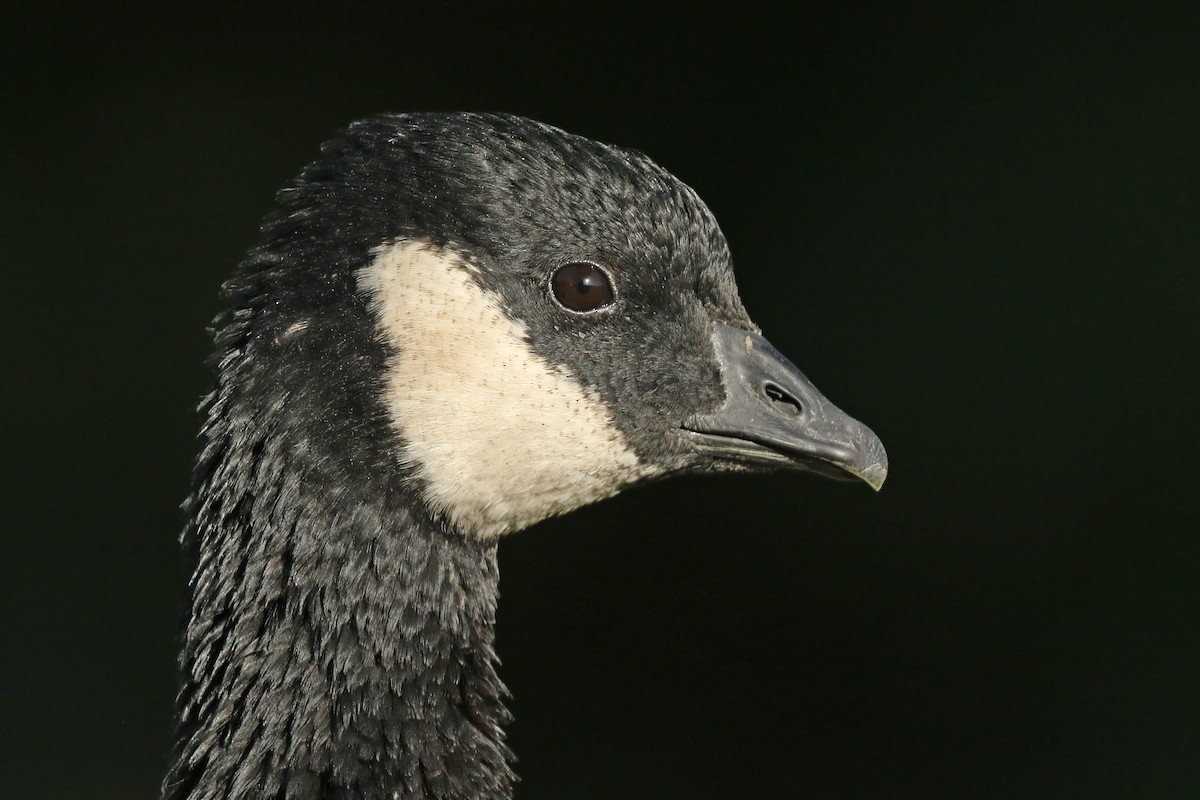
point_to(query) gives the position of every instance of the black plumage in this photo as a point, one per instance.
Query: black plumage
(340, 636)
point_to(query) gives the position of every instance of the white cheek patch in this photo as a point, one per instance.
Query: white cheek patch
(500, 437)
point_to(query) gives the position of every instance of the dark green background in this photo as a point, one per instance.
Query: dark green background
(976, 227)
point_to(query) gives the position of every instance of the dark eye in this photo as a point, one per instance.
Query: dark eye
(581, 287)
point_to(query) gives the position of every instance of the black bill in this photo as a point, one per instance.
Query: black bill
(774, 417)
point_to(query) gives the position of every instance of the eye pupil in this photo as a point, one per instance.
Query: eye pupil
(581, 287)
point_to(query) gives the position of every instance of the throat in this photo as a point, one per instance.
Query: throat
(339, 654)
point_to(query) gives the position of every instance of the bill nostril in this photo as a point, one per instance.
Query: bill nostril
(781, 401)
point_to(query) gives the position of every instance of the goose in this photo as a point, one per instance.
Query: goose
(453, 326)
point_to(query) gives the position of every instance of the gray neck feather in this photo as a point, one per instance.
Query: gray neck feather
(339, 644)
